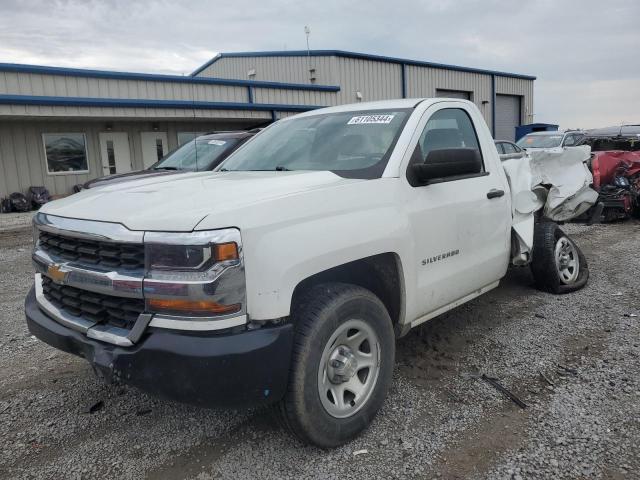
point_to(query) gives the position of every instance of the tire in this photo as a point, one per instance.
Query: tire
(557, 264)
(326, 317)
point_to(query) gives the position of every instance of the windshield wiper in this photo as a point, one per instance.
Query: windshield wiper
(166, 168)
(279, 168)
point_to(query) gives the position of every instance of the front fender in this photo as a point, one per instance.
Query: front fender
(279, 256)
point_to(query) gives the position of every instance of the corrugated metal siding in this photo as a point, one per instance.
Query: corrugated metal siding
(293, 97)
(117, 112)
(275, 69)
(22, 157)
(423, 82)
(375, 80)
(67, 86)
(521, 87)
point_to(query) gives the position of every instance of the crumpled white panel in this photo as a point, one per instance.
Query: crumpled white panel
(568, 179)
(556, 180)
(523, 201)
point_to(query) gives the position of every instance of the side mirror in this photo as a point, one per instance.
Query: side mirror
(447, 162)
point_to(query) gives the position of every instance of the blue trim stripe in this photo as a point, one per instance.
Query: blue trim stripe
(206, 65)
(78, 72)
(142, 103)
(363, 56)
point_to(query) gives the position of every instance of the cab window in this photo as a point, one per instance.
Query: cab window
(508, 148)
(448, 128)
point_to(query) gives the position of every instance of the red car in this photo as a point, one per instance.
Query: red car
(615, 164)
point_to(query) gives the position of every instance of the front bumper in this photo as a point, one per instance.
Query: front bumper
(200, 368)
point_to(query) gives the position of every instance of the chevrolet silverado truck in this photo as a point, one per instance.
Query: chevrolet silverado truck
(284, 277)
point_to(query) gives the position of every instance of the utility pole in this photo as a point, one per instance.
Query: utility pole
(312, 71)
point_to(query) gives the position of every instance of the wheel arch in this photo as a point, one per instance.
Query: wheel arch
(382, 274)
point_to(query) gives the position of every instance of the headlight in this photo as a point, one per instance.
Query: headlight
(190, 257)
(36, 235)
(196, 274)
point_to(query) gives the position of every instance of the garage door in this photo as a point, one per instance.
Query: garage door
(507, 117)
(453, 94)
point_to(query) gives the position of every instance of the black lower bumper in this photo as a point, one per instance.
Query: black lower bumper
(233, 370)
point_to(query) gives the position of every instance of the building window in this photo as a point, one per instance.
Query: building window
(111, 158)
(184, 137)
(65, 153)
(159, 149)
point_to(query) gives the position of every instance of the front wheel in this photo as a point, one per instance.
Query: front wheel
(557, 264)
(344, 352)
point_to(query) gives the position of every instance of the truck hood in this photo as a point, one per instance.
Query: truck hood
(180, 202)
(127, 177)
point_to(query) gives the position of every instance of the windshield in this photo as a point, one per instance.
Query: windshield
(540, 141)
(196, 155)
(350, 144)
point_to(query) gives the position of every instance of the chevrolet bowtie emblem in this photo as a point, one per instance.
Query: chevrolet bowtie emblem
(56, 273)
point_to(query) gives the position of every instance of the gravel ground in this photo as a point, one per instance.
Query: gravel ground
(440, 420)
(15, 221)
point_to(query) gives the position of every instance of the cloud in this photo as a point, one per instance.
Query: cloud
(582, 51)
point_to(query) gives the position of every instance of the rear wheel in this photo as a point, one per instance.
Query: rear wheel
(558, 265)
(342, 364)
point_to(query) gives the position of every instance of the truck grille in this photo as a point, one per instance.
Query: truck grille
(92, 252)
(116, 311)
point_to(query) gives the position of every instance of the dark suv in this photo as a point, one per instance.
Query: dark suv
(204, 153)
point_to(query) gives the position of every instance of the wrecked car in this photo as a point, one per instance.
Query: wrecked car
(550, 140)
(285, 276)
(615, 164)
(508, 150)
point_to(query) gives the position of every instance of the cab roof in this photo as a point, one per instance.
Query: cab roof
(400, 103)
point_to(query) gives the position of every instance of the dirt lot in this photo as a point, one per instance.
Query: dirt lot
(440, 421)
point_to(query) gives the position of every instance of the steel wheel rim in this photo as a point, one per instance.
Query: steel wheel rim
(349, 368)
(567, 261)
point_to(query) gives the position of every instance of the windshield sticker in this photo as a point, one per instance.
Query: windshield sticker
(217, 142)
(365, 119)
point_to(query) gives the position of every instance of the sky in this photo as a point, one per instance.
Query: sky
(583, 52)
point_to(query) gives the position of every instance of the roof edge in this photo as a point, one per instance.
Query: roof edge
(118, 75)
(363, 56)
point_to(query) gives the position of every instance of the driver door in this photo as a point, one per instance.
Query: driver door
(461, 233)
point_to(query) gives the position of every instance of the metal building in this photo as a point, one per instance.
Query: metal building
(505, 99)
(103, 122)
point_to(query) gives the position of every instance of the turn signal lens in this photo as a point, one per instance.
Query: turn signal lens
(226, 251)
(192, 306)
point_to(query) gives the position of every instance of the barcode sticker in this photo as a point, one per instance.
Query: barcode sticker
(364, 119)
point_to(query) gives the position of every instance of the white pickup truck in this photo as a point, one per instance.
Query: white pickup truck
(285, 276)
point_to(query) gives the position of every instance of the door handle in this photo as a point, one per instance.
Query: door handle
(495, 193)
